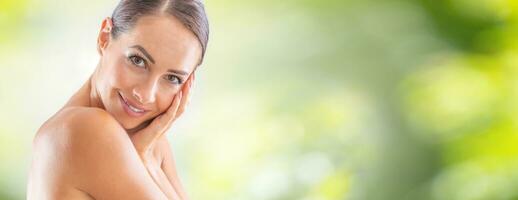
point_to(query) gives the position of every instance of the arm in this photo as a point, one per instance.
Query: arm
(151, 140)
(153, 166)
(169, 169)
(97, 156)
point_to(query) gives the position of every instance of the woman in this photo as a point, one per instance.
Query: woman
(108, 141)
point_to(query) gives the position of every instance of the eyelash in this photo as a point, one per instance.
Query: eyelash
(133, 59)
(179, 81)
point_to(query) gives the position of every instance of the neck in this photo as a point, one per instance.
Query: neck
(94, 97)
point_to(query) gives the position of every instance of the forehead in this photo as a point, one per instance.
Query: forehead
(166, 39)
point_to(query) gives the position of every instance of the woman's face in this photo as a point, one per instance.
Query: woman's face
(142, 70)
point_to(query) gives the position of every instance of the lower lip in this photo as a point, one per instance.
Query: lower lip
(128, 110)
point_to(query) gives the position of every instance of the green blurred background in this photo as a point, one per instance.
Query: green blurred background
(302, 99)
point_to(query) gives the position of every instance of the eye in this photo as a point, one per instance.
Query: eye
(173, 79)
(138, 61)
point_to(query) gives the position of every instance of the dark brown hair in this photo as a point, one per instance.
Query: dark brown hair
(190, 12)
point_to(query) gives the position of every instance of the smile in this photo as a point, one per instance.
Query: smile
(130, 109)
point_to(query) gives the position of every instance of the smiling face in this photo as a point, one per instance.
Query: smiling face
(141, 70)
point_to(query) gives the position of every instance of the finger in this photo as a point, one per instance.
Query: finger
(171, 113)
(187, 95)
(161, 123)
(193, 78)
(157, 127)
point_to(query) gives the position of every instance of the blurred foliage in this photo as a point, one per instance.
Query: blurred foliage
(355, 99)
(466, 24)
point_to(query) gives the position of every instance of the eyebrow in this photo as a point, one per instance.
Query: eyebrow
(178, 71)
(141, 49)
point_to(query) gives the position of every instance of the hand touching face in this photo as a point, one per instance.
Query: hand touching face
(142, 71)
(144, 139)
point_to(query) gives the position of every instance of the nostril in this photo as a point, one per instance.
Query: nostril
(145, 95)
(137, 97)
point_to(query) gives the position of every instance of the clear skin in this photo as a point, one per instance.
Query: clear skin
(94, 147)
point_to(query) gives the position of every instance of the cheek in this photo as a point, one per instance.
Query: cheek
(117, 71)
(119, 76)
(112, 71)
(122, 77)
(165, 99)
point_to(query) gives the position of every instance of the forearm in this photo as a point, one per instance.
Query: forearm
(169, 168)
(162, 182)
(177, 186)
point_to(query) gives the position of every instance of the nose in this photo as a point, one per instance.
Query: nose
(145, 92)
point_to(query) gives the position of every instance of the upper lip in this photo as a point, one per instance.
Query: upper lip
(129, 102)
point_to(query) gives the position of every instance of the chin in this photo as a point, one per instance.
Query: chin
(128, 122)
(127, 125)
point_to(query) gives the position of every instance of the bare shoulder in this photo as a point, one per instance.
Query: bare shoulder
(73, 128)
(82, 119)
(89, 150)
(75, 131)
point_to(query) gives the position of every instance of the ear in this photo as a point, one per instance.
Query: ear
(104, 35)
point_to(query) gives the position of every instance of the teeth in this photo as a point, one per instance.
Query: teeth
(131, 107)
(135, 109)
